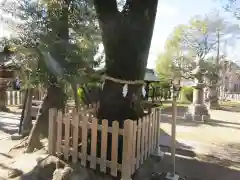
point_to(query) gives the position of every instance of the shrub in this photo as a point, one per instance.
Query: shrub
(187, 94)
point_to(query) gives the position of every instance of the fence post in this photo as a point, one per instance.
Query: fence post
(158, 153)
(52, 131)
(127, 150)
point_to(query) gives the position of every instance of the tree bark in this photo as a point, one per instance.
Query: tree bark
(213, 97)
(27, 119)
(126, 38)
(23, 110)
(55, 94)
(51, 100)
(75, 94)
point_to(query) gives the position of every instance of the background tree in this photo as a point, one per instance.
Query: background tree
(174, 63)
(202, 37)
(64, 37)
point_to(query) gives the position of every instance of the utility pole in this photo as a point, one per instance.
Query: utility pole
(214, 86)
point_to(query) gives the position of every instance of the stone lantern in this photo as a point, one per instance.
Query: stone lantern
(198, 110)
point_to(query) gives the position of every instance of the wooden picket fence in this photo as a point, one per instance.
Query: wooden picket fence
(69, 137)
(14, 98)
(230, 97)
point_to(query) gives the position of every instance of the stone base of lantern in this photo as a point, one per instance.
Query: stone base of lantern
(197, 112)
(158, 154)
(172, 176)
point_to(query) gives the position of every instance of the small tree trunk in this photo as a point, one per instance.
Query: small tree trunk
(213, 98)
(23, 110)
(27, 121)
(53, 99)
(75, 94)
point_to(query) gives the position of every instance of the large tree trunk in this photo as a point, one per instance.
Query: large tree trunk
(51, 100)
(126, 38)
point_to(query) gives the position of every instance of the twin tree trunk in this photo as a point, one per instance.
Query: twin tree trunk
(126, 38)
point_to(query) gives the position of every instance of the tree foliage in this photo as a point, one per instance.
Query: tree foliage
(40, 30)
(232, 6)
(201, 37)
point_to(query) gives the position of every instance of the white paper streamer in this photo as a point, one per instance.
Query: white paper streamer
(143, 91)
(125, 90)
(103, 85)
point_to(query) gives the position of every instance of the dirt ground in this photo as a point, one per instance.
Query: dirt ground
(208, 151)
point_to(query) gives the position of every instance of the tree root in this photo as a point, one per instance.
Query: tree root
(62, 170)
(30, 147)
(22, 144)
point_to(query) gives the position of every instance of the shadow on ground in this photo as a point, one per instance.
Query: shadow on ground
(193, 169)
(180, 110)
(224, 124)
(211, 123)
(231, 108)
(9, 123)
(188, 166)
(6, 155)
(166, 139)
(8, 128)
(227, 155)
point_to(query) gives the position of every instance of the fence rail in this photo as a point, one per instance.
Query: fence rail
(230, 97)
(75, 137)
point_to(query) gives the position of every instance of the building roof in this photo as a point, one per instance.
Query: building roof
(150, 76)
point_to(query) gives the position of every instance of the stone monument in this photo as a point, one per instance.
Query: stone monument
(198, 110)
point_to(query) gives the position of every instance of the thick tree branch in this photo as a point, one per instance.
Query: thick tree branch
(105, 8)
(139, 5)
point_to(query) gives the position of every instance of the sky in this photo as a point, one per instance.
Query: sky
(173, 12)
(170, 13)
